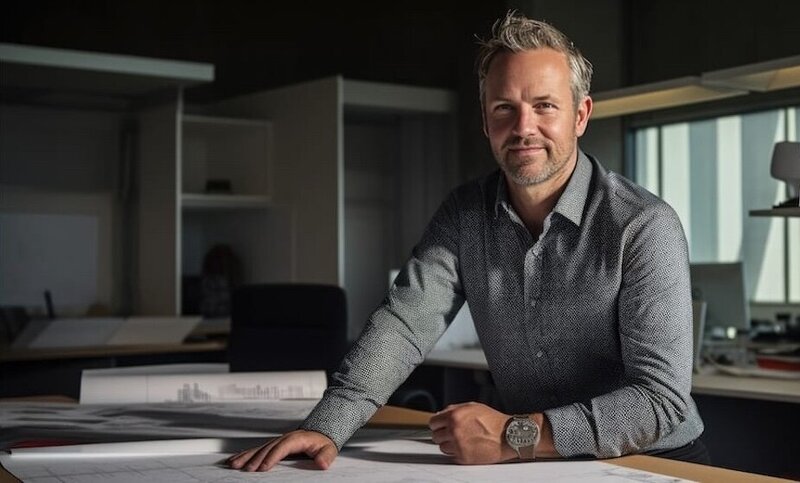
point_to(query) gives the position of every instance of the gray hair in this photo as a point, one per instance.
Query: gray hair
(516, 33)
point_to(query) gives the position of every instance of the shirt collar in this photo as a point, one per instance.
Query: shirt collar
(572, 201)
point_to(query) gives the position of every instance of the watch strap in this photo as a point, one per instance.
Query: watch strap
(527, 452)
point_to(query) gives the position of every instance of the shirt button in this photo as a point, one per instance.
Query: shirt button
(533, 303)
(539, 354)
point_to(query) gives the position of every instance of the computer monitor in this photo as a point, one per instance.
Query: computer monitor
(722, 287)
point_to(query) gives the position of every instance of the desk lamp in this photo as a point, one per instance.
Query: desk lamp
(786, 167)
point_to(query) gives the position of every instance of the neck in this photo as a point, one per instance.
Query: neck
(534, 202)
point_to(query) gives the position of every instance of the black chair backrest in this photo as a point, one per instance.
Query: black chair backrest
(280, 327)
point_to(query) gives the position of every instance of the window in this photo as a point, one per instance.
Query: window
(713, 172)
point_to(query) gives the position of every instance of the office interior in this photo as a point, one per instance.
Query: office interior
(353, 123)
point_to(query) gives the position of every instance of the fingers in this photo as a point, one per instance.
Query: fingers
(448, 448)
(290, 445)
(266, 456)
(254, 455)
(325, 456)
(440, 436)
(441, 419)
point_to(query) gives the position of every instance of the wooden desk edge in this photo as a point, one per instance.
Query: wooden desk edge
(110, 351)
(397, 417)
(690, 471)
(6, 476)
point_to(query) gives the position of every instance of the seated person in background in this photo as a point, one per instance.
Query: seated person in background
(577, 280)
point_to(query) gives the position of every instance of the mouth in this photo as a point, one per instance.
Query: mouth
(524, 151)
(525, 146)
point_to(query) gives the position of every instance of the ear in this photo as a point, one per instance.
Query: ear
(582, 116)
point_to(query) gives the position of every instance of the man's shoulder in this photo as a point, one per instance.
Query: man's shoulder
(626, 200)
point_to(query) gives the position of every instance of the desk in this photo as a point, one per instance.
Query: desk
(781, 390)
(59, 353)
(768, 406)
(400, 417)
(58, 370)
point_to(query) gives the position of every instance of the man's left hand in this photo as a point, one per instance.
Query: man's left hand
(472, 433)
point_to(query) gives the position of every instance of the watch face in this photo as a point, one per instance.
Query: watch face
(521, 433)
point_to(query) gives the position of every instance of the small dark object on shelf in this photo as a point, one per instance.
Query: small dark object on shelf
(790, 203)
(219, 186)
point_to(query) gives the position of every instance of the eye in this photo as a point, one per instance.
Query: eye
(545, 106)
(502, 108)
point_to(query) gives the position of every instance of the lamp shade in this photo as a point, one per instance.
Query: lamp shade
(786, 164)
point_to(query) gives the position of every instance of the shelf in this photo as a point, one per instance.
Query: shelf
(657, 95)
(202, 201)
(61, 76)
(787, 212)
(217, 122)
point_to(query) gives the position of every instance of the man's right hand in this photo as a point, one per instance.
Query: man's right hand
(264, 457)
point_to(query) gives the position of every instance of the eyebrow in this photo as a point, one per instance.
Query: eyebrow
(545, 97)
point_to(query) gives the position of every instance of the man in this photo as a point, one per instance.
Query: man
(577, 280)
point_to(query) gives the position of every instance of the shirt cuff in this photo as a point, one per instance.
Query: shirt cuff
(338, 418)
(571, 432)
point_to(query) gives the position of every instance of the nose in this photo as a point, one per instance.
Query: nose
(525, 124)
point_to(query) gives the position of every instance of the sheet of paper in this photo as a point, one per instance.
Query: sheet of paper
(79, 332)
(395, 460)
(153, 330)
(205, 388)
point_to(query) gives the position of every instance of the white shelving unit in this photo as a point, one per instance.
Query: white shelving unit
(234, 150)
(361, 166)
(181, 221)
(73, 134)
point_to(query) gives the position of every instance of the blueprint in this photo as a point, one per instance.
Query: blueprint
(396, 459)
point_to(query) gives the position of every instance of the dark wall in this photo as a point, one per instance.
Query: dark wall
(261, 44)
(256, 45)
(675, 38)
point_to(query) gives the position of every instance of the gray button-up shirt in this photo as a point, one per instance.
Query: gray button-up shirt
(590, 324)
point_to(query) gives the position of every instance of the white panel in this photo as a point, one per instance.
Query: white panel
(159, 182)
(366, 244)
(675, 172)
(647, 173)
(383, 96)
(307, 169)
(58, 253)
(730, 207)
(794, 225)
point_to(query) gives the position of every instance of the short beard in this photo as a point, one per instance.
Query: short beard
(547, 172)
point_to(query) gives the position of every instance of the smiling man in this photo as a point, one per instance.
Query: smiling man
(577, 280)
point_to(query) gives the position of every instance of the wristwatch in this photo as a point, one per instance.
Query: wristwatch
(522, 434)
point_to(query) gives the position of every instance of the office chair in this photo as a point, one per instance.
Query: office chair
(281, 327)
(286, 327)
